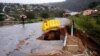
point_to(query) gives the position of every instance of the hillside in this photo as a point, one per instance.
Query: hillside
(76, 5)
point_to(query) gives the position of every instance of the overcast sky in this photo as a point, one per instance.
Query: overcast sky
(30, 1)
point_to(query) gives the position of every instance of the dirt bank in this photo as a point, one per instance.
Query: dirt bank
(81, 39)
(59, 34)
(92, 46)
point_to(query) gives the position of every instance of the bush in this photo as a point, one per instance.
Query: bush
(89, 24)
(45, 14)
(1, 17)
(30, 15)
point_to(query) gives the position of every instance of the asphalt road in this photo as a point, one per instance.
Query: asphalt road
(18, 40)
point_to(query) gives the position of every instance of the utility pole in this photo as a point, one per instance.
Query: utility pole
(72, 28)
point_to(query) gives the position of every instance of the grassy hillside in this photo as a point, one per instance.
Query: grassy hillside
(90, 25)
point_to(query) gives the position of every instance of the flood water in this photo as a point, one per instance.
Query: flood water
(12, 36)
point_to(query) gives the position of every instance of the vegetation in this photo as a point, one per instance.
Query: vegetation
(90, 25)
(33, 12)
(1, 17)
(45, 14)
(1, 6)
(92, 5)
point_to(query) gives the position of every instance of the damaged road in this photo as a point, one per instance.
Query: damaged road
(18, 40)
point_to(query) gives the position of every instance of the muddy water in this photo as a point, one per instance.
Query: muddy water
(18, 40)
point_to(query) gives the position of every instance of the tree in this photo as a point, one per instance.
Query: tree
(92, 5)
(1, 7)
(30, 15)
(45, 14)
(1, 17)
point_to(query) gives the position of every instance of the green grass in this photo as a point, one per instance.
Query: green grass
(89, 24)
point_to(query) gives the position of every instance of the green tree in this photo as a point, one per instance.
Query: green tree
(1, 17)
(92, 5)
(1, 7)
(30, 15)
(45, 14)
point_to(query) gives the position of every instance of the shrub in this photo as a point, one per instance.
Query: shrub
(89, 24)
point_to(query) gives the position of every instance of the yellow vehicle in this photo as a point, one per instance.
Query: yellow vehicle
(50, 24)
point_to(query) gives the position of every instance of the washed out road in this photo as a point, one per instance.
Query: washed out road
(18, 40)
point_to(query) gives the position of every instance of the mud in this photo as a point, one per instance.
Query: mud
(57, 34)
(76, 41)
(52, 53)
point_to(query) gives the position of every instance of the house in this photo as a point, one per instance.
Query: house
(89, 12)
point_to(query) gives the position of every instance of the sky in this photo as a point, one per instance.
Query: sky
(30, 1)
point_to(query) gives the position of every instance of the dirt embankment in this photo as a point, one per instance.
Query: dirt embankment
(88, 43)
(59, 34)
(79, 39)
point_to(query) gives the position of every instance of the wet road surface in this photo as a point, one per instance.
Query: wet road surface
(18, 40)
